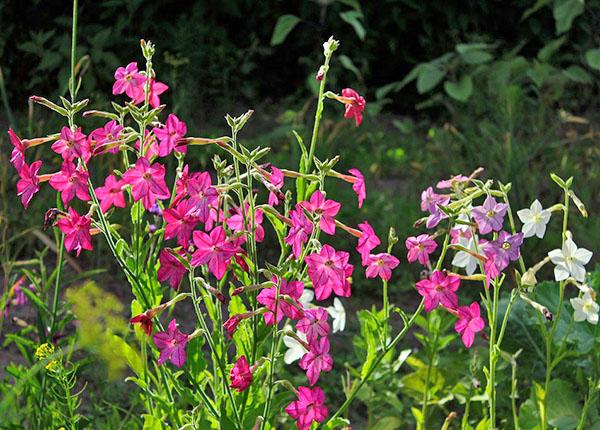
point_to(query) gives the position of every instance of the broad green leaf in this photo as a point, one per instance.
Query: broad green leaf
(563, 405)
(348, 64)
(550, 49)
(577, 74)
(388, 423)
(476, 57)
(353, 18)
(131, 356)
(429, 76)
(152, 423)
(565, 11)
(593, 58)
(285, 24)
(460, 90)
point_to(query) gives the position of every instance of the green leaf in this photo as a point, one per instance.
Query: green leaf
(593, 58)
(474, 53)
(563, 405)
(133, 359)
(353, 18)
(461, 90)
(429, 76)
(348, 64)
(388, 423)
(550, 49)
(577, 74)
(565, 11)
(285, 24)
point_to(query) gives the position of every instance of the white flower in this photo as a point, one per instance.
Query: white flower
(570, 261)
(464, 259)
(306, 298)
(534, 219)
(585, 309)
(295, 349)
(338, 313)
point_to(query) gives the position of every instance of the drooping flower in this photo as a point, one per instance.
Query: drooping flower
(231, 324)
(104, 139)
(381, 265)
(170, 136)
(268, 298)
(467, 260)
(314, 324)
(534, 219)
(430, 202)
(469, 323)
(72, 144)
(310, 407)
(77, 231)
(17, 157)
(147, 182)
(145, 318)
(325, 209)
(452, 182)
(71, 182)
(111, 194)
(156, 89)
(172, 345)
(180, 221)
(338, 314)
(585, 308)
(240, 374)
(358, 185)
(171, 270)
(329, 271)
(129, 81)
(439, 289)
(366, 242)
(236, 222)
(306, 298)
(489, 216)
(28, 183)
(316, 360)
(419, 248)
(202, 195)
(491, 268)
(570, 261)
(213, 249)
(295, 350)
(356, 105)
(276, 181)
(300, 230)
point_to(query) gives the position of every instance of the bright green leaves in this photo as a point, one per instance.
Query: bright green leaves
(564, 12)
(428, 77)
(460, 90)
(285, 24)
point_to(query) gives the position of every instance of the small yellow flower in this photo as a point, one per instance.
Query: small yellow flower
(44, 351)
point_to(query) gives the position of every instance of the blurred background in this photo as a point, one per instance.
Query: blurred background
(509, 85)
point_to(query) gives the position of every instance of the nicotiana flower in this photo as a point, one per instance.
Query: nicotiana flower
(534, 219)
(72, 144)
(489, 216)
(105, 139)
(180, 221)
(366, 242)
(28, 183)
(452, 182)
(338, 314)
(356, 105)
(585, 308)
(358, 185)
(129, 81)
(171, 269)
(316, 360)
(306, 298)
(570, 261)
(300, 230)
(505, 249)
(419, 248)
(310, 407)
(276, 181)
(147, 182)
(268, 298)
(326, 209)
(202, 194)
(171, 344)
(111, 194)
(156, 89)
(314, 324)
(329, 271)
(464, 259)
(295, 349)
(236, 222)
(170, 136)
(469, 323)
(214, 250)
(240, 374)
(17, 157)
(381, 265)
(71, 182)
(439, 289)
(430, 202)
(77, 231)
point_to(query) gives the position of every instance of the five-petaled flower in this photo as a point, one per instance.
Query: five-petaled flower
(381, 265)
(329, 271)
(469, 323)
(314, 324)
(316, 360)
(171, 344)
(171, 136)
(240, 374)
(111, 194)
(129, 81)
(438, 289)
(585, 308)
(213, 249)
(171, 269)
(419, 248)
(310, 407)
(489, 216)
(534, 219)
(72, 144)
(71, 182)
(268, 297)
(355, 105)
(28, 183)
(570, 261)
(77, 231)
(326, 210)
(147, 182)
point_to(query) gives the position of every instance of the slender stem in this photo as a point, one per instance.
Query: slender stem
(72, 87)
(386, 311)
(431, 359)
(272, 360)
(57, 279)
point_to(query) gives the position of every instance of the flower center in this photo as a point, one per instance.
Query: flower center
(506, 246)
(439, 288)
(490, 214)
(147, 176)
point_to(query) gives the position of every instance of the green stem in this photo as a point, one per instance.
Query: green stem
(431, 359)
(57, 279)
(272, 360)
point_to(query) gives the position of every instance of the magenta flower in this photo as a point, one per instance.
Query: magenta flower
(171, 270)
(329, 271)
(104, 138)
(439, 289)
(129, 81)
(276, 181)
(71, 182)
(381, 265)
(300, 231)
(419, 248)
(240, 374)
(77, 231)
(267, 297)
(170, 136)
(491, 268)
(214, 250)
(156, 89)
(316, 360)
(145, 319)
(236, 222)
(356, 107)
(147, 182)
(366, 242)
(202, 194)
(325, 209)
(171, 344)
(358, 185)
(231, 324)
(310, 407)
(28, 183)
(469, 323)
(180, 221)
(314, 324)
(17, 157)
(430, 202)
(489, 216)
(72, 144)
(505, 249)
(111, 194)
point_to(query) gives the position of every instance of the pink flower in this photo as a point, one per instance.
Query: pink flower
(28, 183)
(491, 267)
(147, 182)
(231, 324)
(381, 265)
(489, 216)
(439, 289)
(213, 249)
(469, 323)
(275, 184)
(17, 157)
(77, 231)
(356, 107)
(314, 324)
(366, 242)
(129, 81)
(267, 297)
(419, 248)
(202, 194)
(240, 374)
(326, 209)
(430, 202)
(329, 271)
(156, 89)
(180, 222)
(111, 194)
(236, 222)
(171, 269)
(71, 182)
(309, 407)
(170, 136)
(72, 144)
(104, 138)
(172, 345)
(316, 360)
(452, 182)
(358, 186)
(300, 231)
(145, 318)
